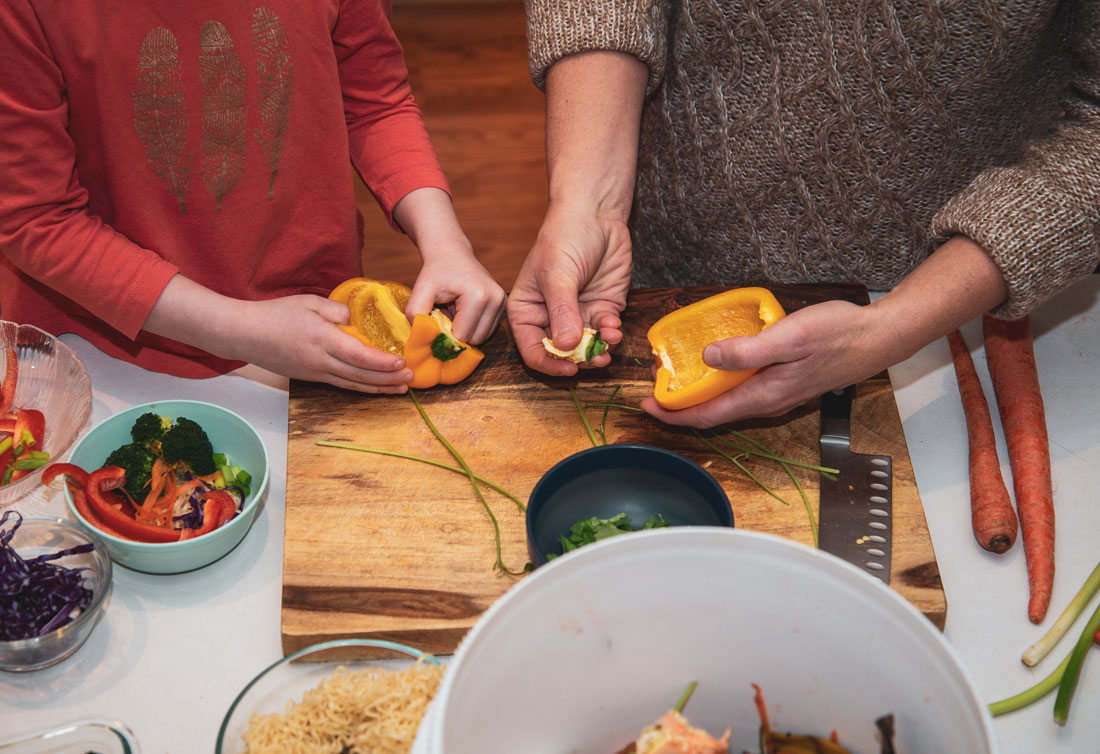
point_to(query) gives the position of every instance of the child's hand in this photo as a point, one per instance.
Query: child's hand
(299, 336)
(451, 272)
(295, 336)
(459, 278)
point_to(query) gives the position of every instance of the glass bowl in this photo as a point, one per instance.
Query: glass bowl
(39, 535)
(286, 680)
(53, 380)
(92, 735)
(229, 433)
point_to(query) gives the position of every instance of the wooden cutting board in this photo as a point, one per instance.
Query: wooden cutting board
(383, 547)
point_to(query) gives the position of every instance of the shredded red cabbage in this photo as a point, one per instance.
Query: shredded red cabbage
(37, 596)
(193, 519)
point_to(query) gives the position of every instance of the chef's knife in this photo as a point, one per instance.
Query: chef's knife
(854, 517)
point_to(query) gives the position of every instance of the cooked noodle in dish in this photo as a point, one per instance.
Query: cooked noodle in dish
(373, 710)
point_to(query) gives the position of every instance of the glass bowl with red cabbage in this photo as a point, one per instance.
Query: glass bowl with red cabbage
(54, 582)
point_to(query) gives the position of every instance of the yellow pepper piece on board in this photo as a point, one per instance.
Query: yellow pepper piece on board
(434, 354)
(377, 311)
(678, 340)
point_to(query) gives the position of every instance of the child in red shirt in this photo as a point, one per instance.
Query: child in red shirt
(176, 185)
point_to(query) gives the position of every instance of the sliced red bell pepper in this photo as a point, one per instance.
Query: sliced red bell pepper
(218, 507)
(80, 502)
(11, 376)
(6, 469)
(71, 470)
(30, 430)
(112, 477)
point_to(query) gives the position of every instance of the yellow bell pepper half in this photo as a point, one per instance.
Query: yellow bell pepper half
(678, 339)
(377, 311)
(429, 347)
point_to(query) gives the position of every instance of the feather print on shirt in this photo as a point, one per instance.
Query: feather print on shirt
(160, 112)
(274, 70)
(223, 111)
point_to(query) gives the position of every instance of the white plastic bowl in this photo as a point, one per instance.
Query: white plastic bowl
(585, 652)
(53, 380)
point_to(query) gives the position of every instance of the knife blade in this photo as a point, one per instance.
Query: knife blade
(854, 515)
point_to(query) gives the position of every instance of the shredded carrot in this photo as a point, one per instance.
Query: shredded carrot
(765, 726)
(1010, 352)
(992, 516)
(161, 477)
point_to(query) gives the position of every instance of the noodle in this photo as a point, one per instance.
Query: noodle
(374, 711)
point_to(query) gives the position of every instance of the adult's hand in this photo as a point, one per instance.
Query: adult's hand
(803, 355)
(576, 275)
(836, 343)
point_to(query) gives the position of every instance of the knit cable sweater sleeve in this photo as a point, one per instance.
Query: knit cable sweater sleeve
(558, 28)
(390, 146)
(46, 229)
(1039, 219)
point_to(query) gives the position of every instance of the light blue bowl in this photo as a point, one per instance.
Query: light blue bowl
(229, 434)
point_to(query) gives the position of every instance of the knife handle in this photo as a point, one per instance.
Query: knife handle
(836, 413)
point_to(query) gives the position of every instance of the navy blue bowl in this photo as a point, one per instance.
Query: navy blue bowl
(639, 480)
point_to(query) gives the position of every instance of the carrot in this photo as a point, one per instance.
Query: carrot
(161, 477)
(1010, 353)
(992, 516)
(765, 727)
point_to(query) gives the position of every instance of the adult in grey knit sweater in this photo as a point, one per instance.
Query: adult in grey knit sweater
(948, 153)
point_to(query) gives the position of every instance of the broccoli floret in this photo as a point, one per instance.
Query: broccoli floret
(137, 460)
(149, 427)
(186, 443)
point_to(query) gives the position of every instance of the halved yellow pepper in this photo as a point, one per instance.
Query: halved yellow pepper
(435, 355)
(429, 347)
(377, 311)
(678, 340)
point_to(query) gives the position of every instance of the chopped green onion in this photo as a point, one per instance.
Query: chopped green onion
(684, 697)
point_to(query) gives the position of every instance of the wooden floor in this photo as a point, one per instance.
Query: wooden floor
(468, 71)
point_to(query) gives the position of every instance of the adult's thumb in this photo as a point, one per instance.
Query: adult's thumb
(564, 311)
(734, 353)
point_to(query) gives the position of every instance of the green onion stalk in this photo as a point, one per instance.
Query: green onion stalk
(412, 457)
(1068, 687)
(473, 482)
(1064, 678)
(1077, 605)
(584, 419)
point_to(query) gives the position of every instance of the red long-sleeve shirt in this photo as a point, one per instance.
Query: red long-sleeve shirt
(212, 139)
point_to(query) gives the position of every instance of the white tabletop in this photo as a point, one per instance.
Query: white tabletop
(173, 651)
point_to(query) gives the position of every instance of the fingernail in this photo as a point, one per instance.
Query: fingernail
(399, 364)
(712, 356)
